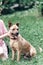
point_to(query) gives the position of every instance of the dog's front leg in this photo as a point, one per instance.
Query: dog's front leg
(18, 55)
(13, 54)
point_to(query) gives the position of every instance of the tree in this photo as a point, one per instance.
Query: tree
(7, 4)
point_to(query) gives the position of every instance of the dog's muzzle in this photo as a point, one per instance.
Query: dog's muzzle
(14, 34)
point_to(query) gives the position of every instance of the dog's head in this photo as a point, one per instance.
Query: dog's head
(14, 30)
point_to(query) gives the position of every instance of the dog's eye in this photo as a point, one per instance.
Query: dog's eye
(17, 29)
(13, 29)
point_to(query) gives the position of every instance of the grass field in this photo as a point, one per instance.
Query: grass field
(31, 28)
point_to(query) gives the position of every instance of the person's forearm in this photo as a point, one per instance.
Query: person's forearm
(4, 35)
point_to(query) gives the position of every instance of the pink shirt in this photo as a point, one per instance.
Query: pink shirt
(3, 30)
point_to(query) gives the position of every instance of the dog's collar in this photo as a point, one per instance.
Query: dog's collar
(13, 38)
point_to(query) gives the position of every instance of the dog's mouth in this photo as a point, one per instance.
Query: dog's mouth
(14, 35)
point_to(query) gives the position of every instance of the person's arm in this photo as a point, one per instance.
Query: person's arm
(4, 29)
(4, 35)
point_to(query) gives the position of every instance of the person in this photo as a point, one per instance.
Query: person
(3, 46)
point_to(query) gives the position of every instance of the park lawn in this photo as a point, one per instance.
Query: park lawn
(31, 28)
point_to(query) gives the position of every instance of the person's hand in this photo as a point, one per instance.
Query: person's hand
(4, 35)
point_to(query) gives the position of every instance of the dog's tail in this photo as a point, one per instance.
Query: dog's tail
(40, 49)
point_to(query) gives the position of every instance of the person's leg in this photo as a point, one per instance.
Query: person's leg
(5, 52)
(7, 48)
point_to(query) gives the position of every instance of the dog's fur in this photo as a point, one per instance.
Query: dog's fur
(18, 43)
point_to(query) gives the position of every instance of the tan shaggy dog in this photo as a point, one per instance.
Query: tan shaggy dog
(18, 43)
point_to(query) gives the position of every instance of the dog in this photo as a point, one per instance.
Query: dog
(18, 43)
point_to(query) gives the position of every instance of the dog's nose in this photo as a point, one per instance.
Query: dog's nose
(17, 33)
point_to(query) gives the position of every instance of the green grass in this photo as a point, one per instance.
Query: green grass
(31, 28)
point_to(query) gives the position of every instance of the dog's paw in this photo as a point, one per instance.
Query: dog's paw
(12, 59)
(25, 57)
(17, 60)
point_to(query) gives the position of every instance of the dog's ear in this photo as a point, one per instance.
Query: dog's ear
(9, 24)
(17, 24)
